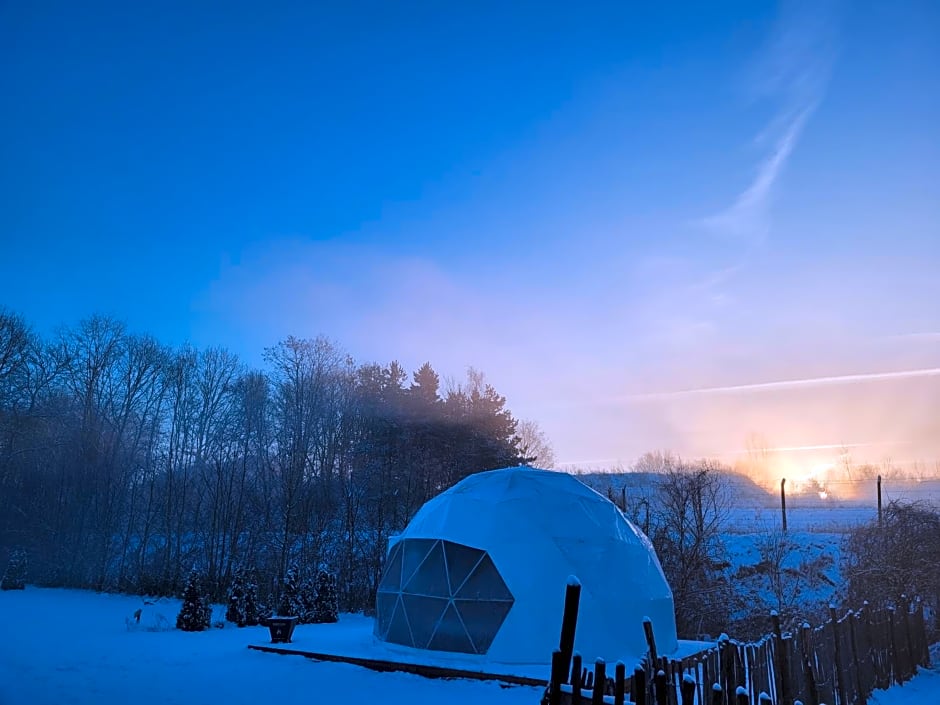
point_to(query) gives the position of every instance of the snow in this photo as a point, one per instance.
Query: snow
(73, 647)
(923, 688)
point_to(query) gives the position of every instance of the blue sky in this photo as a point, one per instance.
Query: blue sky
(599, 207)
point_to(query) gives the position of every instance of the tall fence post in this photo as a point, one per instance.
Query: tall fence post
(783, 503)
(569, 619)
(650, 640)
(879, 501)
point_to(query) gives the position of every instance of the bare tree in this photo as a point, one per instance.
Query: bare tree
(690, 511)
(534, 446)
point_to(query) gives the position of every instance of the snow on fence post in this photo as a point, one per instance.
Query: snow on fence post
(781, 663)
(600, 682)
(687, 689)
(660, 687)
(764, 699)
(741, 697)
(718, 695)
(569, 619)
(837, 656)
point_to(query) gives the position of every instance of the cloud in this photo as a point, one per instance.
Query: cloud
(790, 384)
(792, 72)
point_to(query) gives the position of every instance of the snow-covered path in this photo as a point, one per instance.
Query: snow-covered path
(72, 647)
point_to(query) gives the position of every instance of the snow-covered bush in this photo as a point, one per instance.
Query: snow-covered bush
(326, 603)
(291, 602)
(147, 619)
(196, 613)
(15, 576)
(243, 608)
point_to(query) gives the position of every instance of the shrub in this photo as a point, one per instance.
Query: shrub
(196, 613)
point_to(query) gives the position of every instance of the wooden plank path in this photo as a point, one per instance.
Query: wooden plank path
(415, 668)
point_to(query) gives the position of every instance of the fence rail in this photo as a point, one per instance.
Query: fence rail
(839, 662)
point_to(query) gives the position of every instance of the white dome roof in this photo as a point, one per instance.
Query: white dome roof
(540, 527)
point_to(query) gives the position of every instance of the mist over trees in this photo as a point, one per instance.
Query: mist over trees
(125, 464)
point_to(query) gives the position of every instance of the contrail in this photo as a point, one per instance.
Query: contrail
(788, 384)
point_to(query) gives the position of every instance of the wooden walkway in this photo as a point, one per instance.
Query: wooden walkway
(415, 668)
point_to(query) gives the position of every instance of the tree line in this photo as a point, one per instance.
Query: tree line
(124, 464)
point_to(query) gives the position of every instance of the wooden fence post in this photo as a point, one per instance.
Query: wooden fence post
(661, 688)
(783, 503)
(861, 695)
(569, 619)
(906, 621)
(781, 663)
(812, 693)
(554, 685)
(576, 682)
(718, 696)
(600, 682)
(639, 686)
(764, 699)
(837, 667)
(650, 640)
(741, 697)
(620, 677)
(688, 689)
(895, 656)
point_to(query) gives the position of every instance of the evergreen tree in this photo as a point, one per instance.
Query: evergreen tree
(196, 613)
(326, 604)
(15, 576)
(243, 608)
(291, 604)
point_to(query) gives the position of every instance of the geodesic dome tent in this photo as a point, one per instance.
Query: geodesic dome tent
(482, 569)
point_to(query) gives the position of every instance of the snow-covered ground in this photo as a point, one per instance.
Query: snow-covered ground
(73, 646)
(923, 689)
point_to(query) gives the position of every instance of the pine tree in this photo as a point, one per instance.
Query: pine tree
(15, 576)
(290, 604)
(326, 605)
(243, 607)
(196, 613)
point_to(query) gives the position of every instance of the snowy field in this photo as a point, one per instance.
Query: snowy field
(73, 646)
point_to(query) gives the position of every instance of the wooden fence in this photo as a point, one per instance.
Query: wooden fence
(837, 663)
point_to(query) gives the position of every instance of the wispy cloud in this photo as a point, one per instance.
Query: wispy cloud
(792, 72)
(789, 384)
